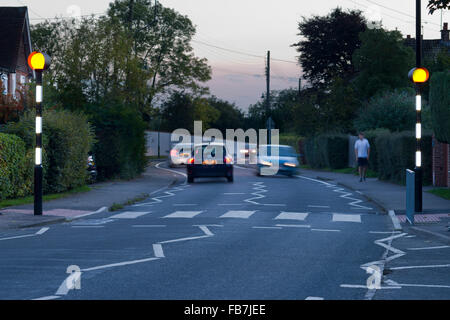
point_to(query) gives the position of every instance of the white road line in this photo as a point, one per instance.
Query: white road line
(170, 170)
(272, 204)
(346, 218)
(301, 216)
(323, 207)
(357, 286)
(238, 214)
(395, 220)
(184, 204)
(424, 285)
(102, 209)
(183, 214)
(126, 263)
(233, 193)
(149, 226)
(208, 225)
(429, 248)
(278, 228)
(315, 180)
(158, 250)
(129, 215)
(384, 232)
(88, 227)
(421, 267)
(38, 233)
(314, 298)
(230, 204)
(68, 284)
(42, 231)
(293, 225)
(206, 231)
(184, 239)
(325, 230)
(48, 298)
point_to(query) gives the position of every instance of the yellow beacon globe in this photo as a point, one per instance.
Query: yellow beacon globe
(420, 75)
(36, 61)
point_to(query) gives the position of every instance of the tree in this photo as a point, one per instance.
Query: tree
(161, 41)
(391, 110)
(382, 62)
(434, 5)
(231, 117)
(328, 45)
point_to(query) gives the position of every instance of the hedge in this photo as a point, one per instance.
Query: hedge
(120, 147)
(67, 140)
(396, 153)
(16, 169)
(327, 151)
(440, 105)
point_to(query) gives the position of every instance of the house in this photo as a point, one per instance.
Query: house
(431, 47)
(15, 46)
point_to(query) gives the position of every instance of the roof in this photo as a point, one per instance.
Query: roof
(14, 27)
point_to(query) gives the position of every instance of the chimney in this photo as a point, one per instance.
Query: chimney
(445, 33)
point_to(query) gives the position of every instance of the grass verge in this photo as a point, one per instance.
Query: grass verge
(48, 197)
(441, 192)
(120, 206)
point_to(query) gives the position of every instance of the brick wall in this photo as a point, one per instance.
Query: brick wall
(441, 164)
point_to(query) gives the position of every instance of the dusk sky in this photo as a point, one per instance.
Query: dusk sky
(252, 27)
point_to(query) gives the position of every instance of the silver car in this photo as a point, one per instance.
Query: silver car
(180, 154)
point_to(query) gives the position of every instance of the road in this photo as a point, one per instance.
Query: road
(257, 238)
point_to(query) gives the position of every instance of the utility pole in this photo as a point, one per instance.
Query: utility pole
(299, 86)
(269, 128)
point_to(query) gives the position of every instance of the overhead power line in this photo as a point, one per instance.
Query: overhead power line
(240, 52)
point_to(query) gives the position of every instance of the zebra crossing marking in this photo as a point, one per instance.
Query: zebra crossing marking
(301, 216)
(129, 215)
(238, 214)
(183, 214)
(337, 217)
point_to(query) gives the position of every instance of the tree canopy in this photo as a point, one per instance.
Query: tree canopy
(328, 43)
(434, 5)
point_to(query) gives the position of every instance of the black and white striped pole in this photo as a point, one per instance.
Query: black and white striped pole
(38, 62)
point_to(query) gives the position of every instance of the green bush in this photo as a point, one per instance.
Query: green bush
(440, 105)
(67, 140)
(120, 148)
(290, 140)
(327, 151)
(16, 167)
(392, 110)
(396, 153)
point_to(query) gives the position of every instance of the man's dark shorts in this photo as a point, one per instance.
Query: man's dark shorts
(363, 162)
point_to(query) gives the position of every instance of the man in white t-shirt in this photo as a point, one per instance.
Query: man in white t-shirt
(362, 153)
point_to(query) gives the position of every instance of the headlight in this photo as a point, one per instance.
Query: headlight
(290, 164)
(266, 163)
(244, 151)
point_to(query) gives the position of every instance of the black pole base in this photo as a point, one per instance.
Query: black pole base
(418, 190)
(38, 190)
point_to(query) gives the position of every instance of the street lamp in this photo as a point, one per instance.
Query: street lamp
(38, 62)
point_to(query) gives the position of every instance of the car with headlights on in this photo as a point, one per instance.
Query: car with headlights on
(180, 154)
(277, 159)
(210, 160)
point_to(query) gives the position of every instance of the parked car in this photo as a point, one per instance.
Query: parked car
(271, 156)
(180, 154)
(210, 160)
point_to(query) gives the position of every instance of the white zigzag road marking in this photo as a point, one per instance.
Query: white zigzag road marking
(345, 194)
(157, 200)
(261, 188)
(158, 253)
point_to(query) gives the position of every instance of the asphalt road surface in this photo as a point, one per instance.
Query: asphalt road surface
(257, 238)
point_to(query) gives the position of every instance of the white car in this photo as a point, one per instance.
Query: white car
(180, 154)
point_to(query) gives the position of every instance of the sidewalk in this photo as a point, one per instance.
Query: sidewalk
(100, 198)
(390, 196)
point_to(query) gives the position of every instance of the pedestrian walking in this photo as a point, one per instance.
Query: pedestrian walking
(362, 153)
